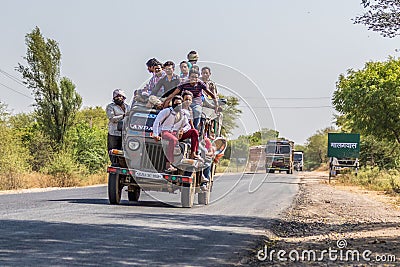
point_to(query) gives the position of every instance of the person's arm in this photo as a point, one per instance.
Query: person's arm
(185, 124)
(213, 96)
(157, 122)
(214, 89)
(191, 124)
(205, 88)
(157, 88)
(111, 114)
(169, 98)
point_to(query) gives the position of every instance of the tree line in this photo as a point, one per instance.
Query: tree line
(58, 139)
(67, 143)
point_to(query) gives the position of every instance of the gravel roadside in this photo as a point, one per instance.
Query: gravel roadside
(330, 225)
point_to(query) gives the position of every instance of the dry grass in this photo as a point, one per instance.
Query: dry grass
(40, 180)
(93, 179)
(323, 167)
(231, 168)
(374, 179)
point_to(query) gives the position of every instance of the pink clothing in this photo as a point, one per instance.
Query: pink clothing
(193, 134)
(172, 142)
(208, 143)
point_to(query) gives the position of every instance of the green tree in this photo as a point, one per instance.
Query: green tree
(382, 16)
(261, 137)
(315, 152)
(230, 114)
(13, 157)
(238, 148)
(369, 100)
(88, 138)
(93, 116)
(26, 128)
(377, 152)
(89, 146)
(298, 147)
(56, 99)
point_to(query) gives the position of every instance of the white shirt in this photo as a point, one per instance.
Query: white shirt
(165, 121)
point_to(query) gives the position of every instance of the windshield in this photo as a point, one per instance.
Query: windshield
(278, 149)
(142, 122)
(270, 149)
(284, 149)
(298, 157)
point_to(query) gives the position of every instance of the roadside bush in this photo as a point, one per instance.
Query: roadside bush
(13, 160)
(39, 146)
(374, 179)
(224, 162)
(63, 170)
(89, 145)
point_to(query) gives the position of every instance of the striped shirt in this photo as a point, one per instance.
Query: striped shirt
(196, 89)
(153, 81)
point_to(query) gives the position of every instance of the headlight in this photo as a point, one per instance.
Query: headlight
(133, 144)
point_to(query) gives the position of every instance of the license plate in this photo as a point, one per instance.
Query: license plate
(152, 175)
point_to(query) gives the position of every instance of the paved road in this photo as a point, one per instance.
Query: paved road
(77, 227)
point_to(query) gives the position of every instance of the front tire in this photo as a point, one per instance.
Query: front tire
(134, 194)
(253, 168)
(114, 189)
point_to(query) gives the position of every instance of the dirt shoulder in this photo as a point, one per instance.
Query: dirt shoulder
(344, 221)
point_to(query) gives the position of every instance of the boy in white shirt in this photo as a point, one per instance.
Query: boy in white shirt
(172, 124)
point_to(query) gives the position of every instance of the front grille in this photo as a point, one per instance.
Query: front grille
(154, 158)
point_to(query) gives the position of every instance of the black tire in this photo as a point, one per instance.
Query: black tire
(252, 168)
(270, 171)
(187, 196)
(204, 196)
(114, 189)
(135, 194)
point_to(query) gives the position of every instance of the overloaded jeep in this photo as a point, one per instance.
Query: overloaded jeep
(141, 163)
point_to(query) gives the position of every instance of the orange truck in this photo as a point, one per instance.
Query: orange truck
(256, 158)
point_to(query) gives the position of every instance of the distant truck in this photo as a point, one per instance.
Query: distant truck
(256, 158)
(279, 156)
(298, 160)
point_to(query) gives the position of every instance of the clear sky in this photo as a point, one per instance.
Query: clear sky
(290, 52)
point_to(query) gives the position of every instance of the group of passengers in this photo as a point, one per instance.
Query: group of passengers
(181, 99)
